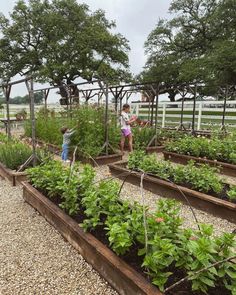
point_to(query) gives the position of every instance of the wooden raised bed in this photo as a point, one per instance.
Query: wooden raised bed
(225, 168)
(155, 149)
(202, 201)
(13, 176)
(120, 275)
(100, 160)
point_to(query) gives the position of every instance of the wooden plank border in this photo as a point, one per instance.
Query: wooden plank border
(124, 279)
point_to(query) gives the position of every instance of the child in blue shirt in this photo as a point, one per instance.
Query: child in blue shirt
(66, 142)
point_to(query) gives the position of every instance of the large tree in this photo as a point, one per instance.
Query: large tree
(59, 41)
(197, 45)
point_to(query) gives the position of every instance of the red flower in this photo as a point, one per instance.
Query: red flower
(159, 219)
(193, 238)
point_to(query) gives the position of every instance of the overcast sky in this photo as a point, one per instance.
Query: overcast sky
(134, 19)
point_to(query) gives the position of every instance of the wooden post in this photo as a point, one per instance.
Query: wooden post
(7, 92)
(182, 112)
(30, 87)
(163, 115)
(106, 120)
(156, 111)
(194, 109)
(224, 108)
(106, 145)
(152, 111)
(199, 116)
(45, 94)
(183, 94)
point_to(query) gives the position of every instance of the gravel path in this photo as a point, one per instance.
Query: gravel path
(132, 193)
(35, 259)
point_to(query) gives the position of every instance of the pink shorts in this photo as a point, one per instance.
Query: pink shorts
(126, 132)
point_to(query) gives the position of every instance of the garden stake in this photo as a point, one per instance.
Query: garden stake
(128, 174)
(191, 208)
(86, 153)
(144, 213)
(197, 272)
(73, 158)
(109, 178)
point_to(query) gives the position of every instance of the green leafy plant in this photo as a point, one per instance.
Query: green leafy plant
(135, 159)
(13, 154)
(202, 178)
(232, 193)
(215, 149)
(143, 136)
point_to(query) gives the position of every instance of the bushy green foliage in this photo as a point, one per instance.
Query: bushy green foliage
(194, 45)
(215, 149)
(202, 178)
(142, 136)
(232, 193)
(3, 138)
(35, 30)
(90, 133)
(168, 243)
(58, 180)
(13, 154)
(90, 130)
(48, 129)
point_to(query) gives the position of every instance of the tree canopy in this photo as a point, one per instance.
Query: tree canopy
(59, 41)
(198, 45)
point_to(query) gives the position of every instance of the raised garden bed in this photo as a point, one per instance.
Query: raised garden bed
(225, 168)
(119, 274)
(155, 149)
(51, 147)
(202, 201)
(100, 160)
(205, 133)
(12, 176)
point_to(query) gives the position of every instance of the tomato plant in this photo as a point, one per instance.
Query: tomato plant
(90, 130)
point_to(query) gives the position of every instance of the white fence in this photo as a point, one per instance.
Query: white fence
(14, 109)
(207, 113)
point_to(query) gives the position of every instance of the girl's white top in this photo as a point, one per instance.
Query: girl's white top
(124, 119)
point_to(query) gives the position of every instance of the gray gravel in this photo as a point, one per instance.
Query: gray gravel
(131, 193)
(35, 259)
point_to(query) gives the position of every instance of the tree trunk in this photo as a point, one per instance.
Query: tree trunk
(172, 94)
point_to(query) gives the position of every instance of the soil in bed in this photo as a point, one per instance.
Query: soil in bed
(135, 261)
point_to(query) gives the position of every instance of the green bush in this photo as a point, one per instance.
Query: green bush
(13, 154)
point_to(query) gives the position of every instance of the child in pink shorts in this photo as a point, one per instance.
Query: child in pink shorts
(125, 122)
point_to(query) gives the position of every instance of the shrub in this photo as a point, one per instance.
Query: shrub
(13, 154)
